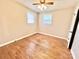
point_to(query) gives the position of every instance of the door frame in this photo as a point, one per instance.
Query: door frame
(74, 30)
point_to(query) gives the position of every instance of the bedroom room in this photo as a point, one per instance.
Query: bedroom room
(38, 29)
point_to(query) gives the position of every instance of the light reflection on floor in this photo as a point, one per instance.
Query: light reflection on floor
(33, 48)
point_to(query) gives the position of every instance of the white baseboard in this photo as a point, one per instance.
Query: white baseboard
(1, 45)
(29, 35)
(56, 37)
(53, 35)
(73, 55)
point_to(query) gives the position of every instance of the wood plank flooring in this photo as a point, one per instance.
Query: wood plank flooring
(37, 46)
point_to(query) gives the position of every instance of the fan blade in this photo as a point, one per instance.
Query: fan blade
(36, 4)
(50, 3)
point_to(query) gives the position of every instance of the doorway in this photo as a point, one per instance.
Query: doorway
(74, 30)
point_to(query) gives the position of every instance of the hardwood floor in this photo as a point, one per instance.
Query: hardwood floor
(37, 46)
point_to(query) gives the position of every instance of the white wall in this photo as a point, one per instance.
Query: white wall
(60, 23)
(13, 23)
(75, 47)
(1, 31)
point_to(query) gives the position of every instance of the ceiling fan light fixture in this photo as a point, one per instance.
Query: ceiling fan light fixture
(42, 7)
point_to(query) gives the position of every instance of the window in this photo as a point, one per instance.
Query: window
(30, 18)
(47, 19)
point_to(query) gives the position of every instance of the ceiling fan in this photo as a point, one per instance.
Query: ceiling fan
(43, 2)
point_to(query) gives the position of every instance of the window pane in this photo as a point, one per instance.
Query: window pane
(47, 19)
(30, 18)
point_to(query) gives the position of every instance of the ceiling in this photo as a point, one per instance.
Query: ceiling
(58, 4)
